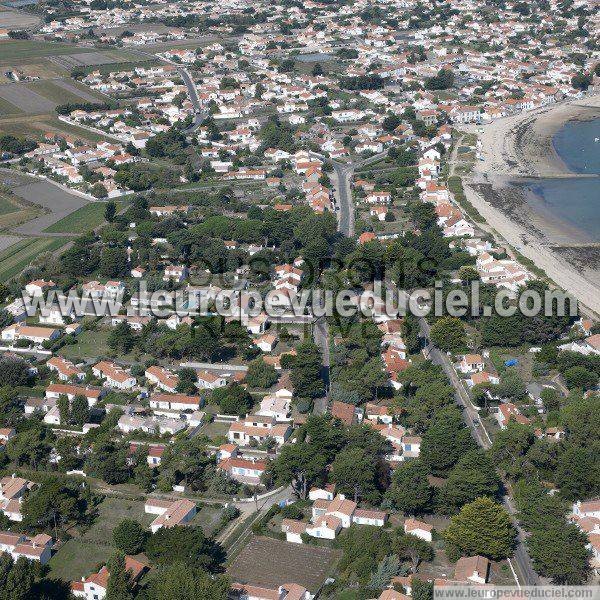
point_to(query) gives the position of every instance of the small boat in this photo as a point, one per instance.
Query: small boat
(597, 140)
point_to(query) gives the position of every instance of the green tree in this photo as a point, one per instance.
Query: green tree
(64, 410)
(233, 400)
(19, 580)
(110, 210)
(306, 371)
(413, 548)
(422, 590)
(410, 491)
(578, 473)
(121, 338)
(510, 448)
(363, 547)
(113, 262)
(448, 333)
(14, 371)
(481, 527)
(119, 586)
(187, 381)
(301, 465)
(54, 504)
(580, 377)
(187, 545)
(185, 461)
(260, 374)
(30, 447)
(129, 536)
(179, 582)
(559, 551)
(354, 472)
(387, 568)
(80, 410)
(446, 440)
(473, 476)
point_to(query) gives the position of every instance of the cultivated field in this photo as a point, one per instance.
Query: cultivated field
(14, 211)
(25, 99)
(84, 219)
(268, 562)
(93, 58)
(42, 96)
(13, 52)
(11, 19)
(58, 202)
(20, 255)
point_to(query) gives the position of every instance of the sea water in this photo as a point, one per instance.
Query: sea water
(574, 200)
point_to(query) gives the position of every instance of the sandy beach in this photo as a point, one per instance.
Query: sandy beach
(521, 146)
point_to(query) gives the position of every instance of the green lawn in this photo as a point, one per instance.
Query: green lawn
(84, 219)
(18, 256)
(111, 512)
(90, 344)
(208, 518)
(78, 558)
(214, 430)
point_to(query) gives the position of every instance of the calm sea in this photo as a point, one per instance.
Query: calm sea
(575, 201)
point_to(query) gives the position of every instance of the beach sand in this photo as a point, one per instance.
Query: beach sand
(521, 146)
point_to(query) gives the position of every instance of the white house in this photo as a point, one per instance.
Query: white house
(419, 529)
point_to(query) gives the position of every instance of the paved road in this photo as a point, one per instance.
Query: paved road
(343, 176)
(200, 114)
(527, 574)
(321, 339)
(342, 180)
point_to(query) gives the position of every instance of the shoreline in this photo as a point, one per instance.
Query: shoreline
(521, 147)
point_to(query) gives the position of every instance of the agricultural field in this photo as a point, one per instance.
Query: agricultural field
(84, 219)
(42, 96)
(18, 256)
(268, 562)
(13, 211)
(12, 19)
(14, 52)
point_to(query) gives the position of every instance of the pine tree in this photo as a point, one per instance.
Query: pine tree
(386, 569)
(119, 580)
(481, 527)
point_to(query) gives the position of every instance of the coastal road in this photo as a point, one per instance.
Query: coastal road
(527, 574)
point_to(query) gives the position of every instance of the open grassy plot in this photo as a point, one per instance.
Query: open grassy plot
(208, 518)
(18, 256)
(268, 562)
(214, 430)
(90, 344)
(83, 219)
(111, 512)
(78, 558)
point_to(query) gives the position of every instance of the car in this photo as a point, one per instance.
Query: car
(476, 422)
